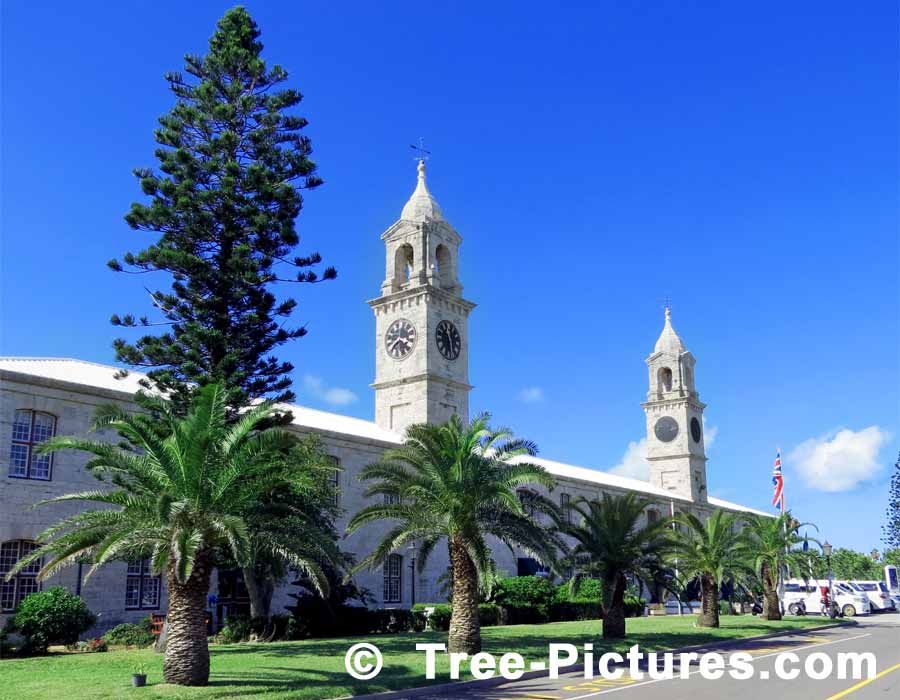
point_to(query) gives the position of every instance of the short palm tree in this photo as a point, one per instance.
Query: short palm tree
(772, 546)
(710, 551)
(179, 486)
(611, 544)
(458, 483)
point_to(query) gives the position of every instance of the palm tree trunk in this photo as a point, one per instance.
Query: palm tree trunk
(465, 628)
(614, 607)
(260, 590)
(187, 652)
(771, 604)
(709, 605)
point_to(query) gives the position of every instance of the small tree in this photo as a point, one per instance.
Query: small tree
(611, 544)
(709, 551)
(772, 546)
(54, 616)
(232, 164)
(457, 483)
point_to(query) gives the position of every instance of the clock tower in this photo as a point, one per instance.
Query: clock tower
(675, 419)
(421, 320)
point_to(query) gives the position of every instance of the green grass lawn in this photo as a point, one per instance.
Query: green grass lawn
(314, 669)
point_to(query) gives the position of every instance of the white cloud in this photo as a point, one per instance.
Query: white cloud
(332, 395)
(634, 462)
(839, 460)
(531, 394)
(709, 434)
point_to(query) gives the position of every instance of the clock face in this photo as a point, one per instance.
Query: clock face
(666, 429)
(400, 339)
(696, 432)
(448, 340)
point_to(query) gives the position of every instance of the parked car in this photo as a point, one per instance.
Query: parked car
(876, 592)
(849, 601)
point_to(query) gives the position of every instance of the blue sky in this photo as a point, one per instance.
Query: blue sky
(742, 160)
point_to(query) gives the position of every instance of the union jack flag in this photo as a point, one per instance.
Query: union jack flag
(778, 483)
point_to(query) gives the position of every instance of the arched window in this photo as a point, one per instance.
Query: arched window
(664, 379)
(393, 579)
(444, 264)
(29, 430)
(12, 592)
(403, 263)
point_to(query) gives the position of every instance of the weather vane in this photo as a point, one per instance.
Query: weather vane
(667, 302)
(421, 152)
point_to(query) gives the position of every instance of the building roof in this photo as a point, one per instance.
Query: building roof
(97, 376)
(668, 340)
(422, 206)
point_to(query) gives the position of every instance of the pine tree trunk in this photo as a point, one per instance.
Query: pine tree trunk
(465, 628)
(260, 590)
(614, 608)
(187, 652)
(771, 604)
(709, 602)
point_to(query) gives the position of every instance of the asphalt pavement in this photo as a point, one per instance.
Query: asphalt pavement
(877, 634)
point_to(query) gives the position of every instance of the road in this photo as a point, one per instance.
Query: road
(878, 634)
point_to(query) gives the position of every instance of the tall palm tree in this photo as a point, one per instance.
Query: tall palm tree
(458, 483)
(611, 544)
(772, 546)
(179, 486)
(710, 551)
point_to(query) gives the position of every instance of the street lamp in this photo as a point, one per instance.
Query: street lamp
(412, 567)
(826, 550)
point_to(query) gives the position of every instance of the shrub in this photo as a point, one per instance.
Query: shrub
(139, 634)
(589, 591)
(634, 606)
(439, 618)
(526, 598)
(54, 616)
(237, 628)
(569, 611)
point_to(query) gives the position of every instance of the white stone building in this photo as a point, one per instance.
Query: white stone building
(421, 374)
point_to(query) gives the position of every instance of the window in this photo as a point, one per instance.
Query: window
(529, 566)
(565, 505)
(334, 478)
(652, 516)
(30, 429)
(141, 587)
(526, 498)
(393, 578)
(12, 592)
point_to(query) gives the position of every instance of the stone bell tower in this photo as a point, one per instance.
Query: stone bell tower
(421, 320)
(675, 419)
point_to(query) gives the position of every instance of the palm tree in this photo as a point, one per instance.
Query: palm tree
(179, 487)
(710, 551)
(611, 545)
(771, 544)
(457, 483)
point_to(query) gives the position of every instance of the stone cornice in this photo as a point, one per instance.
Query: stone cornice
(421, 377)
(430, 294)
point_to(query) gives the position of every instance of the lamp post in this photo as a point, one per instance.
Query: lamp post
(826, 550)
(412, 568)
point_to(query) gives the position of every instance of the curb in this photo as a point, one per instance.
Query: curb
(492, 682)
